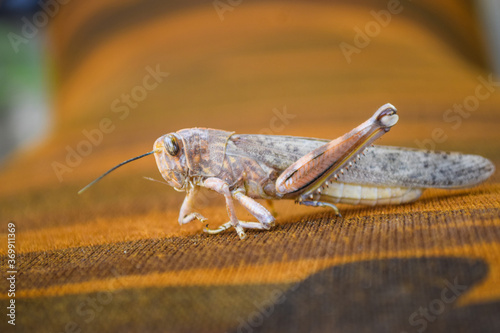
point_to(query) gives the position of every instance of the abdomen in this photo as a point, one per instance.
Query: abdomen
(355, 194)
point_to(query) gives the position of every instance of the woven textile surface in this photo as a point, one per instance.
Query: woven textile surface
(114, 259)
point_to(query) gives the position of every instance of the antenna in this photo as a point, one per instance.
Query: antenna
(113, 168)
(155, 180)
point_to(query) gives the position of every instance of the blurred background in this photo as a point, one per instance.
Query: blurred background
(63, 61)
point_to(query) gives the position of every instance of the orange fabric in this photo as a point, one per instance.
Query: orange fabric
(115, 258)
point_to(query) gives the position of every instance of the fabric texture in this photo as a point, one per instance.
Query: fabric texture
(114, 259)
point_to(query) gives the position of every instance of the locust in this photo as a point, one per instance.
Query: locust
(313, 172)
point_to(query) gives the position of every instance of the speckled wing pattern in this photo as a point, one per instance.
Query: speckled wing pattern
(380, 165)
(398, 166)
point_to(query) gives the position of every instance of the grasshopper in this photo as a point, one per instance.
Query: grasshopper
(313, 172)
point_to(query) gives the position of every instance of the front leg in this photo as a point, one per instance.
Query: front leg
(186, 213)
(222, 187)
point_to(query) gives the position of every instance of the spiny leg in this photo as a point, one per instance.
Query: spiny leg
(311, 171)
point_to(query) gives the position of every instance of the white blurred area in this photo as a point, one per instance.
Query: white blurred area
(25, 116)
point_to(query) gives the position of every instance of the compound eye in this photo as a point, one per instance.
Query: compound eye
(171, 145)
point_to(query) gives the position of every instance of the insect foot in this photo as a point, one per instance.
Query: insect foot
(224, 227)
(190, 217)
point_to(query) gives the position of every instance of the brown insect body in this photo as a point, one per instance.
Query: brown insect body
(314, 172)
